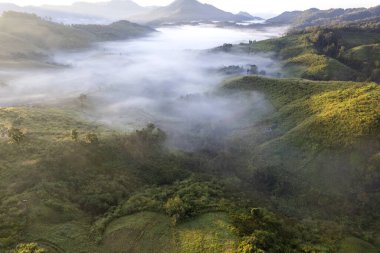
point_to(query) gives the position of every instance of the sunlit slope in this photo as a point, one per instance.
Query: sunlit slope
(326, 133)
(300, 59)
(326, 54)
(152, 232)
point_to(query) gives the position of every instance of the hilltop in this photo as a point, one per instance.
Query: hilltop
(315, 17)
(29, 39)
(189, 11)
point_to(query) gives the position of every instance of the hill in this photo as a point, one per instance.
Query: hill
(29, 40)
(334, 53)
(72, 186)
(323, 137)
(315, 17)
(188, 11)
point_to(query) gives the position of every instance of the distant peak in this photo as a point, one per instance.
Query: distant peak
(185, 2)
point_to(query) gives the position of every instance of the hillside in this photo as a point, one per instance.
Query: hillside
(335, 53)
(292, 167)
(323, 139)
(77, 186)
(28, 40)
(315, 17)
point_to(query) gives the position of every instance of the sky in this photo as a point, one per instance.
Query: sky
(251, 6)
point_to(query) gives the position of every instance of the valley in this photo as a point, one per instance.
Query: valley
(181, 134)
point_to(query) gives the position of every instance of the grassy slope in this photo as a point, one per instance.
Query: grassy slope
(325, 134)
(300, 59)
(51, 185)
(152, 232)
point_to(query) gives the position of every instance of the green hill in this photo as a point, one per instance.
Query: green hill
(72, 186)
(324, 54)
(324, 133)
(322, 18)
(28, 40)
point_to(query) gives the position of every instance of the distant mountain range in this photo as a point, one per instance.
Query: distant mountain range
(177, 12)
(188, 11)
(316, 17)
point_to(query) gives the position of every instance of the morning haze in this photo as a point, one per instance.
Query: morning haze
(179, 126)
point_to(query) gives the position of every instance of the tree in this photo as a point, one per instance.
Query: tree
(15, 134)
(175, 208)
(74, 135)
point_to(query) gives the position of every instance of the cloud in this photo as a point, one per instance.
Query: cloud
(162, 79)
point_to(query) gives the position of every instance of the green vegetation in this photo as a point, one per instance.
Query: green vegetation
(319, 128)
(72, 186)
(352, 17)
(27, 40)
(28, 248)
(152, 232)
(303, 179)
(346, 54)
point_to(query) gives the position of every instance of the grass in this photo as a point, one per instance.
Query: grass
(51, 185)
(300, 58)
(322, 135)
(355, 245)
(343, 111)
(152, 232)
(54, 190)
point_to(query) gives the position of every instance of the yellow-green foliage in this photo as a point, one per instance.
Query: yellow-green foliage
(323, 133)
(28, 248)
(320, 113)
(301, 59)
(152, 232)
(320, 67)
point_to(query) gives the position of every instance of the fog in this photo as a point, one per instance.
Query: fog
(167, 79)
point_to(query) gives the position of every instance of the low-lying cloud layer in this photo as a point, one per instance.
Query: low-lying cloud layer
(164, 79)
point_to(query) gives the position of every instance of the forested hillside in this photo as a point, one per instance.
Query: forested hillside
(334, 53)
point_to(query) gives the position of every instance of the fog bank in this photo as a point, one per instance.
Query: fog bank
(164, 79)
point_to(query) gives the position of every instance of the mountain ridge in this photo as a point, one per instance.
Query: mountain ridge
(189, 11)
(316, 17)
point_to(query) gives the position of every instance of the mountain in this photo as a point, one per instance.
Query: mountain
(113, 10)
(316, 17)
(246, 15)
(188, 11)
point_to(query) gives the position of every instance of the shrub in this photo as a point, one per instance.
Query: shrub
(15, 134)
(91, 138)
(74, 135)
